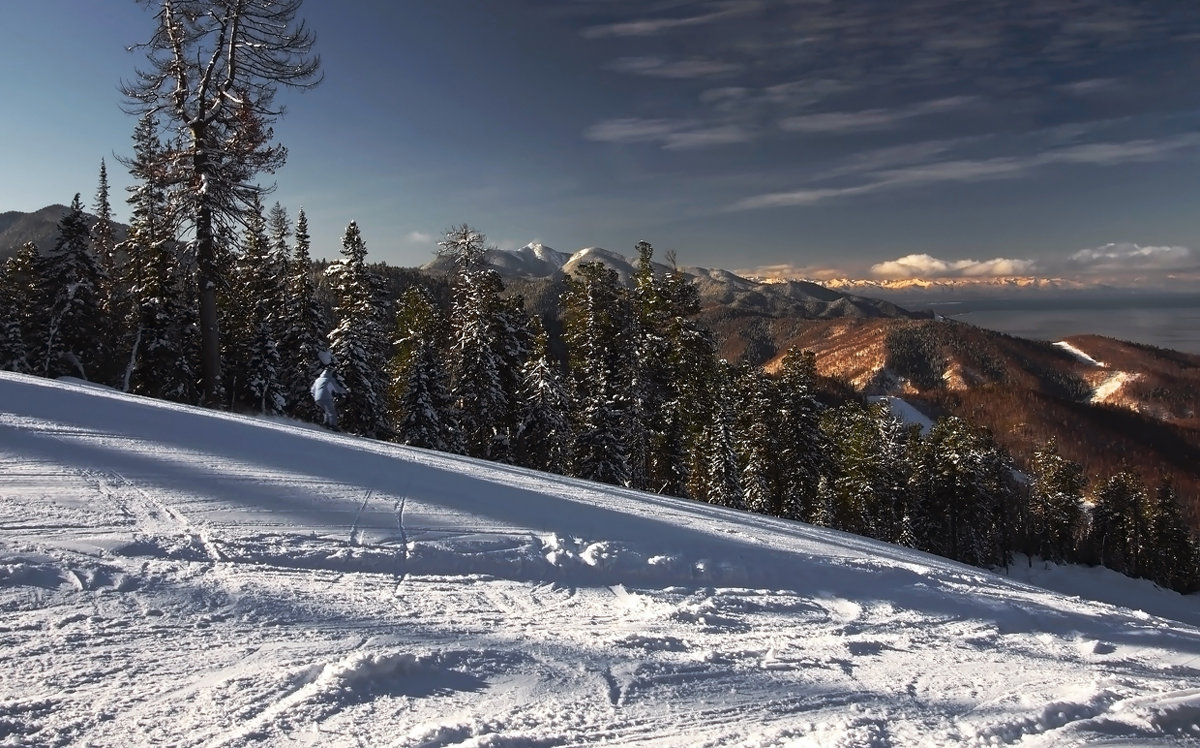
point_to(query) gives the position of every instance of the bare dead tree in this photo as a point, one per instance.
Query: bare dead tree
(214, 69)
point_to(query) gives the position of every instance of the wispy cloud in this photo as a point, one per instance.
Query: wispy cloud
(927, 266)
(976, 170)
(669, 134)
(420, 237)
(661, 68)
(872, 119)
(656, 26)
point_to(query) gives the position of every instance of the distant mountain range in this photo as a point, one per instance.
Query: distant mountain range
(41, 226)
(721, 290)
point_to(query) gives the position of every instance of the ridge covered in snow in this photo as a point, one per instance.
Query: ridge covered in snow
(176, 576)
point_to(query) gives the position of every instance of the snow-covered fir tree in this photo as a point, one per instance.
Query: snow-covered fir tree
(543, 437)
(253, 314)
(722, 480)
(659, 421)
(303, 329)
(1119, 526)
(1172, 561)
(480, 400)
(358, 341)
(802, 450)
(420, 404)
(597, 316)
(156, 359)
(1056, 514)
(73, 342)
(963, 491)
(22, 293)
(757, 430)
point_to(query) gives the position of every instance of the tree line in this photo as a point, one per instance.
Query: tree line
(637, 395)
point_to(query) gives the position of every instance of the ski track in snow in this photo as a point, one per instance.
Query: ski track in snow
(171, 576)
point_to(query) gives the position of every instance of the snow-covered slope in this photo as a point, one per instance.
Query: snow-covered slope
(174, 576)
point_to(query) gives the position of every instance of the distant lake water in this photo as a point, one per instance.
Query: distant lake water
(1171, 321)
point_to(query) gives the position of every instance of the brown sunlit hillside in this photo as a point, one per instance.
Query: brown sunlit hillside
(1110, 405)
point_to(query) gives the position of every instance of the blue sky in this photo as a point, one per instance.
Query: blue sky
(925, 137)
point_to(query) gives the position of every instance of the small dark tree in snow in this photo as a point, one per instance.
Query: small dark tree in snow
(419, 399)
(302, 331)
(74, 282)
(358, 342)
(867, 468)
(214, 69)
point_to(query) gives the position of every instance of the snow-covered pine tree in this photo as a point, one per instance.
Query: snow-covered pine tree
(303, 329)
(659, 423)
(722, 480)
(160, 314)
(964, 491)
(1171, 558)
(358, 341)
(543, 438)
(419, 400)
(252, 320)
(114, 295)
(73, 342)
(597, 314)
(22, 293)
(1056, 515)
(279, 229)
(480, 400)
(757, 431)
(1118, 532)
(801, 454)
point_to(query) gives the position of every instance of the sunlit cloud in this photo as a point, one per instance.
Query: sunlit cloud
(927, 266)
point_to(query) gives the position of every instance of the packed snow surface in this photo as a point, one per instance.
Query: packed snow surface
(170, 576)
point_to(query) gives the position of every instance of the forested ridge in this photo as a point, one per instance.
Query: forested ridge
(616, 383)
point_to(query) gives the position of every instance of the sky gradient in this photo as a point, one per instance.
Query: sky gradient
(870, 139)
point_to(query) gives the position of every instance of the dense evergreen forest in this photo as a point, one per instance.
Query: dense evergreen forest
(617, 384)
